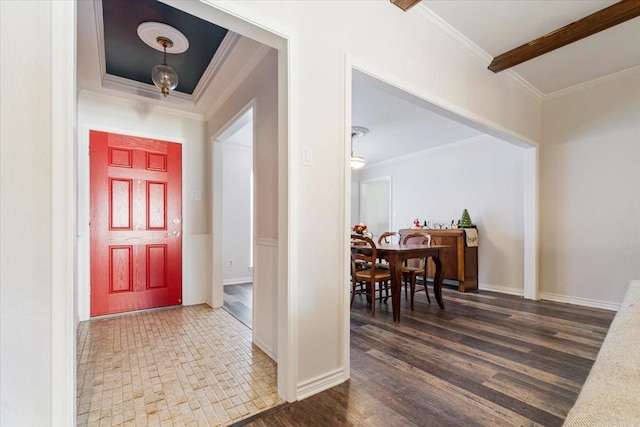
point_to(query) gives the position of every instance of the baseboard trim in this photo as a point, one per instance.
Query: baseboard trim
(501, 289)
(321, 383)
(238, 281)
(266, 349)
(580, 301)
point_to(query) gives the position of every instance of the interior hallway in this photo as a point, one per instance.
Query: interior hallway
(171, 367)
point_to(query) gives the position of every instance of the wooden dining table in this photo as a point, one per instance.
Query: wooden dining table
(396, 254)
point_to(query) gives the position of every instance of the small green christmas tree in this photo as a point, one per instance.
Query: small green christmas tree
(465, 221)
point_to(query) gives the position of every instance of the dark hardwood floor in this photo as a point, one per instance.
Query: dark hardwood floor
(487, 359)
(237, 300)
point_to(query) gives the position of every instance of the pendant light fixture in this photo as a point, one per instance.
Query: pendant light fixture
(163, 76)
(357, 162)
(166, 39)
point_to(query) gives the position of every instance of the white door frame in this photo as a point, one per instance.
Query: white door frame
(215, 163)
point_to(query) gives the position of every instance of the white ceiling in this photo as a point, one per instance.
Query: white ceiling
(398, 123)
(497, 26)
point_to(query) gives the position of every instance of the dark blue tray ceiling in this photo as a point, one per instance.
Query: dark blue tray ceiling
(129, 57)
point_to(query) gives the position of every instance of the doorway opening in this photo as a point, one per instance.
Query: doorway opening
(238, 219)
(440, 163)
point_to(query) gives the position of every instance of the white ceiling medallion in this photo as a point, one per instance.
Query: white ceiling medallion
(150, 31)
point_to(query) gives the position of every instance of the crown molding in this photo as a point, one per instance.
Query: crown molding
(426, 15)
(97, 10)
(237, 81)
(146, 90)
(591, 83)
(142, 89)
(224, 50)
(139, 104)
(132, 87)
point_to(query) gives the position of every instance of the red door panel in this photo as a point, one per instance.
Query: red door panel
(136, 223)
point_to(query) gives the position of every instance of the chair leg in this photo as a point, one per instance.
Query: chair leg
(353, 290)
(405, 287)
(386, 291)
(373, 298)
(413, 288)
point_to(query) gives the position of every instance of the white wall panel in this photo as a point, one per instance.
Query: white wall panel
(25, 216)
(196, 268)
(590, 204)
(265, 333)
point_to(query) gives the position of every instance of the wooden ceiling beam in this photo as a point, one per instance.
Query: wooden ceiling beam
(405, 4)
(608, 17)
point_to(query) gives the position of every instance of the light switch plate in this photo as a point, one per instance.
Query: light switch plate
(307, 156)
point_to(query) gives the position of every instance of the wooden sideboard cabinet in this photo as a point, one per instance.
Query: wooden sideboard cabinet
(459, 262)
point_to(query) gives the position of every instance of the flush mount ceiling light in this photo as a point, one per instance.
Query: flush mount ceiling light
(357, 132)
(164, 38)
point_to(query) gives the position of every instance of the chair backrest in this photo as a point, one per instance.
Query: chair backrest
(417, 239)
(363, 249)
(388, 237)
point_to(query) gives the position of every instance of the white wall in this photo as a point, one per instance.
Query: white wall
(236, 175)
(25, 216)
(484, 176)
(104, 113)
(590, 205)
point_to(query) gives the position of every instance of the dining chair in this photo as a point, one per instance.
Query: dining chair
(387, 237)
(363, 281)
(411, 270)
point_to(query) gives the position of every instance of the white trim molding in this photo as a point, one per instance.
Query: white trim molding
(426, 15)
(500, 289)
(592, 83)
(221, 55)
(136, 103)
(580, 301)
(320, 383)
(63, 219)
(237, 281)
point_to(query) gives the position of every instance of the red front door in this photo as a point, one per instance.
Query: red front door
(136, 223)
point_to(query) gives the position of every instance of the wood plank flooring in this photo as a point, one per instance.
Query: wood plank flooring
(487, 359)
(237, 300)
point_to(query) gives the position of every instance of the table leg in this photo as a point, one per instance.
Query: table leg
(395, 269)
(437, 281)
